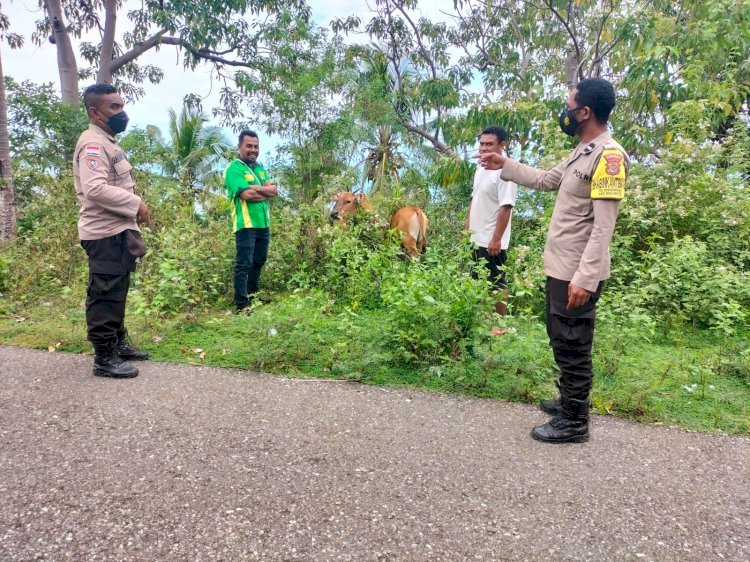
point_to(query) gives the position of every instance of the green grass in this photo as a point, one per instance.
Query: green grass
(305, 335)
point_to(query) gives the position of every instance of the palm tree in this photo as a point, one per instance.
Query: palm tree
(195, 152)
(383, 160)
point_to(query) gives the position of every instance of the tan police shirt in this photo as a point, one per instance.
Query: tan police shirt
(104, 186)
(591, 183)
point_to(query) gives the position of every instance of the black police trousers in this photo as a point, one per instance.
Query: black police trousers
(109, 281)
(571, 335)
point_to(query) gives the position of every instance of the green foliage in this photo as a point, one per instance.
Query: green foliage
(687, 62)
(176, 277)
(435, 308)
(692, 192)
(42, 134)
(685, 281)
(195, 155)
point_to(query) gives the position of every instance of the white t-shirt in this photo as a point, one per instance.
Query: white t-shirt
(489, 194)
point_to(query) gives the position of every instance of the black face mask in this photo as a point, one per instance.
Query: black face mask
(118, 122)
(568, 122)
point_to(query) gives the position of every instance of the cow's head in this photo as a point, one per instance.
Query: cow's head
(346, 203)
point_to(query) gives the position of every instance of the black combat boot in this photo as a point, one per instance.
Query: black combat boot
(108, 363)
(552, 407)
(126, 350)
(571, 426)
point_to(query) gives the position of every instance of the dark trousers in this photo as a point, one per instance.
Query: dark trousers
(494, 264)
(571, 335)
(109, 281)
(252, 253)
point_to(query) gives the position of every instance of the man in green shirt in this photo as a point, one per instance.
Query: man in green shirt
(249, 188)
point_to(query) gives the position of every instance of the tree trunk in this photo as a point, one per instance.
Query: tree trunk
(66, 59)
(572, 70)
(108, 43)
(7, 206)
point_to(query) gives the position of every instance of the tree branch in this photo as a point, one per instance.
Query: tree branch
(597, 58)
(137, 51)
(566, 24)
(439, 145)
(417, 35)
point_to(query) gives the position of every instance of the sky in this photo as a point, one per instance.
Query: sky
(38, 63)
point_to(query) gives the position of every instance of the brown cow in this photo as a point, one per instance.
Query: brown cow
(411, 223)
(346, 203)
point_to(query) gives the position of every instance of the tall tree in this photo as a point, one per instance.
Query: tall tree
(7, 204)
(228, 34)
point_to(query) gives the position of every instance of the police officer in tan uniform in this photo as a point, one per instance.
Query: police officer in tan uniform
(590, 185)
(108, 229)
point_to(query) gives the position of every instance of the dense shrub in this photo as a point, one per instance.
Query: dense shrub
(685, 281)
(189, 266)
(435, 308)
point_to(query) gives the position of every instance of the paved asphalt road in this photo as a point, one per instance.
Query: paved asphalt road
(197, 463)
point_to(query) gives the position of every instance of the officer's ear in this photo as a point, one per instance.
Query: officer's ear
(93, 112)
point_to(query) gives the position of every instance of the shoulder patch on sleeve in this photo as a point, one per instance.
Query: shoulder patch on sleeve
(609, 177)
(92, 150)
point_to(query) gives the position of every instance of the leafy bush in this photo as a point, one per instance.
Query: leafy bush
(189, 266)
(684, 280)
(435, 307)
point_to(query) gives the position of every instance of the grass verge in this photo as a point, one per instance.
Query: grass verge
(695, 379)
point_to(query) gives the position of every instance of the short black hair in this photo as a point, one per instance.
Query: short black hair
(247, 133)
(92, 94)
(496, 130)
(598, 94)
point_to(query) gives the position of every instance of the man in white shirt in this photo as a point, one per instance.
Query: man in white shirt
(488, 219)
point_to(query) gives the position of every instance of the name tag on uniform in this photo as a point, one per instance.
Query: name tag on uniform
(609, 177)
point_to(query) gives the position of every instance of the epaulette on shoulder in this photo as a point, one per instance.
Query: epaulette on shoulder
(589, 148)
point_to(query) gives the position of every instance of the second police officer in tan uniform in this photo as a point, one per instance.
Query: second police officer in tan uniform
(108, 229)
(590, 185)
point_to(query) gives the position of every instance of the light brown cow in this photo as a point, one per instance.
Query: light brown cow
(411, 223)
(346, 203)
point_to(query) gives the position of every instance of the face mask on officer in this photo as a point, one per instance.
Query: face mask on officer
(568, 122)
(118, 122)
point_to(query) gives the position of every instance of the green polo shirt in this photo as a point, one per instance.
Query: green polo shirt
(238, 176)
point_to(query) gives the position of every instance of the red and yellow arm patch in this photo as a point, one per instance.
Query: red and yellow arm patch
(609, 177)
